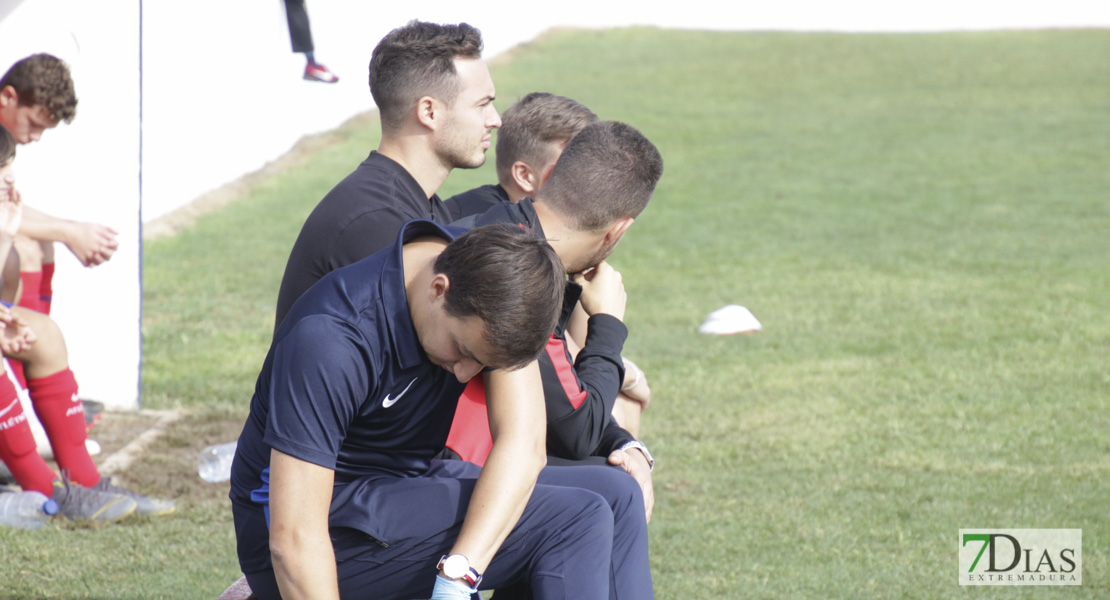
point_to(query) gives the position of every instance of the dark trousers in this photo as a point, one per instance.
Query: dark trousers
(299, 31)
(583, 536)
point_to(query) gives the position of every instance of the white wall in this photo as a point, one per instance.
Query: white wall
(89, 171)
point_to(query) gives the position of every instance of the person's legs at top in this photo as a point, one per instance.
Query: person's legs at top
(300, 34)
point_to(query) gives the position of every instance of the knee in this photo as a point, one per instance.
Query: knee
(619, 487)
(48, 354)
(596, 514)
(46, 331)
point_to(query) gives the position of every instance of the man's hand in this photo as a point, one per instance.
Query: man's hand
(91, 243)
(635, 464)
(602, 291)
(17, 335)
(448, 589)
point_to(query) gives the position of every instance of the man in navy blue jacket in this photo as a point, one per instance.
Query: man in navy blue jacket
(335, 489)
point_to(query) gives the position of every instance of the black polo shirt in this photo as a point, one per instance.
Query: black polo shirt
(475, 201)
(358, 217)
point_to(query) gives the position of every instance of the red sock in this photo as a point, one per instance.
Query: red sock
(46, 288)
(17, 444)
(63, 417)
(32, 283)
(17, 370)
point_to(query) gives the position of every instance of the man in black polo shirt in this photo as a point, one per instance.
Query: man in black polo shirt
(534, 131)
(435, 97)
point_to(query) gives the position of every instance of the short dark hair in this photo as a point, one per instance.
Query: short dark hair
(608, 171)
(43, 80)
(533, 122)
(418, 60)
(512, 281)
(7, 146)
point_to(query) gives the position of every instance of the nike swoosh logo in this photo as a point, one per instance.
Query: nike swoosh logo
(391, 401)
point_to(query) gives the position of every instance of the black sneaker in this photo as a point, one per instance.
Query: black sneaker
(81, 503)
(154, 507)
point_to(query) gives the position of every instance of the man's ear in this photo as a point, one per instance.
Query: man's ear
(437, 290)
(8, 96)
(428, 110)
(617, 229)
(525, 177)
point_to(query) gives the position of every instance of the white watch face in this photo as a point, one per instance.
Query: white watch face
(456, 566)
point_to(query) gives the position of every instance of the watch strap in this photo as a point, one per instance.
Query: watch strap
(471, 576)
(638, 445)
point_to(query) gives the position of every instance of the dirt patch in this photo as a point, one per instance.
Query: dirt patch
(114, 430)
(166, 466)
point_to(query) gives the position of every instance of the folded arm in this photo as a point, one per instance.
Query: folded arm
(516, 418)
(300, 496)
(91, 243)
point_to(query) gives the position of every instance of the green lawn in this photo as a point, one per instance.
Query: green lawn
(919, 221)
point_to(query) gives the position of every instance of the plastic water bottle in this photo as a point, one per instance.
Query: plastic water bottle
(214, 462)
(26, 509)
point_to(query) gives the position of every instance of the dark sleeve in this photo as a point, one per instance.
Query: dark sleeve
(319, 380)
(612, 439)
(580, 398)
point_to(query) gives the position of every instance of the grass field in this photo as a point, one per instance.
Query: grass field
(919, 221)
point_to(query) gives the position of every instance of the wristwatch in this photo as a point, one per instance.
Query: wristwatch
(642, 448)
(456, 566)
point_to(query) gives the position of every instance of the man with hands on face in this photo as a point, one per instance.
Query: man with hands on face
(603, 180)
(534, 131)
